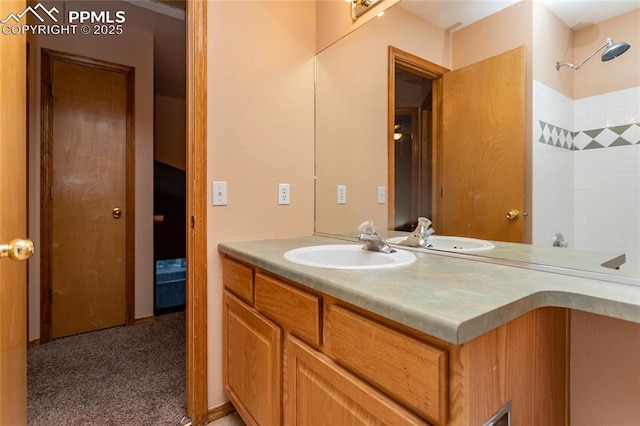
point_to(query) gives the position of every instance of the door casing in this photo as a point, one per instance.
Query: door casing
(196, 297)
(196, 391)
(422, 67)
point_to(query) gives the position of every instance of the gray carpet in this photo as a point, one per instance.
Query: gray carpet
(120, 376)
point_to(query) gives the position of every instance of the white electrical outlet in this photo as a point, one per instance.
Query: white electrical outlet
(284, 193)
(342, 194)
(219, 193)
(382, 195)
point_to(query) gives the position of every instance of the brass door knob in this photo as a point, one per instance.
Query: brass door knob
(513, 215)
(116, 213)
(18, 249)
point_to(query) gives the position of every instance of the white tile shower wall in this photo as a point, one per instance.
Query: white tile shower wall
(552, 168)
(607, 180)
(592, 196)
(608, 110)
(607, 202)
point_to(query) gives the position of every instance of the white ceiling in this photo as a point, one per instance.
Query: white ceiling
(455, 14)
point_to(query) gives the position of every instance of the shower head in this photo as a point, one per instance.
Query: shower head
(613, 50)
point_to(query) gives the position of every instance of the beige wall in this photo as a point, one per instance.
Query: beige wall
(552, 42)
(597, 77)
(133, 48)
(497, 33)
(170, 131)
(605, 371)
(260, 133)
(333, 20)
(351, 125)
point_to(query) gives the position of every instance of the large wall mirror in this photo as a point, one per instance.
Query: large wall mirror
(578, 130)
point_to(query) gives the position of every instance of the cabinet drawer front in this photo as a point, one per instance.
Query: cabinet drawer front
(295, 310)
(409, 370)
(320, 392)
(238, 278)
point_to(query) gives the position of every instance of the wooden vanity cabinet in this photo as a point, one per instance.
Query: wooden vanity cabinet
(278, 368)
(293, 356)
(321, 392)
(252, 372)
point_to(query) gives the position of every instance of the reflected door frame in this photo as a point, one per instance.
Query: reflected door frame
(416, 65)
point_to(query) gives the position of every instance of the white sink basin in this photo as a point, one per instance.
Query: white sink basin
(447, 243)
(348, 256)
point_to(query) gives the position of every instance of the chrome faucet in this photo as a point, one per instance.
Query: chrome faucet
(419, 237)
(372, 241)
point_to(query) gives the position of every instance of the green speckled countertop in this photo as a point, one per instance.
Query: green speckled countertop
(449, 297)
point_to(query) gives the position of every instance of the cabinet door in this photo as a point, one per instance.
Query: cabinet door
(319, 392)
(252, 370)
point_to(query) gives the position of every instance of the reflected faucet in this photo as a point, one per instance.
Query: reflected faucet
(419, 237)
(372, 241)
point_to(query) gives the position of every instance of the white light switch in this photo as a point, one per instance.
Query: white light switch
(382, 195)
(219, 193)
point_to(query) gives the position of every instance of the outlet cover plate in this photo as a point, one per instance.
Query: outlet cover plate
(284, 193)
(342, 194)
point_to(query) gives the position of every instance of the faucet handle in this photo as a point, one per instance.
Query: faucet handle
(423, 221)
(367, 227)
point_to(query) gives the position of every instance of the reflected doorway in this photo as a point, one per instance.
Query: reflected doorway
(414, 102)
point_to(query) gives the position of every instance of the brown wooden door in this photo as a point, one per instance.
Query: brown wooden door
(483, 149)
(13, 223)
(89, 208)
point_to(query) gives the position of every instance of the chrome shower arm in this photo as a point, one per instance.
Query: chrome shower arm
(577, 67)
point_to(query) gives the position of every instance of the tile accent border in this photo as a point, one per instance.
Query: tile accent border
(607, 137)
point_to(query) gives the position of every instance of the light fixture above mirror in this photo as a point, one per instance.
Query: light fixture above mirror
(359, 7)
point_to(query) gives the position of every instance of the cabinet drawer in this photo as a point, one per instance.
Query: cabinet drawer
(294, 309)
(238, 278)
(320, 392)
(411, 371)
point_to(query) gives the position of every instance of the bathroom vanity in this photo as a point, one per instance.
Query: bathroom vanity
(443, 341)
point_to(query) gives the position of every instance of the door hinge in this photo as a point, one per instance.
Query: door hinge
(50, 295)
(193, 222)
(51, 192)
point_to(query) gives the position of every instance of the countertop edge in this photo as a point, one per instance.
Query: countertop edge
(451, 331)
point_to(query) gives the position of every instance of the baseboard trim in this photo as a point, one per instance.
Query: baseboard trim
(220, 411)
(144, 320)
(36, 342)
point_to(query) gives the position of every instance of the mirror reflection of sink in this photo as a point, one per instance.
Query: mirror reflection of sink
(448, 243)
(348, 256)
